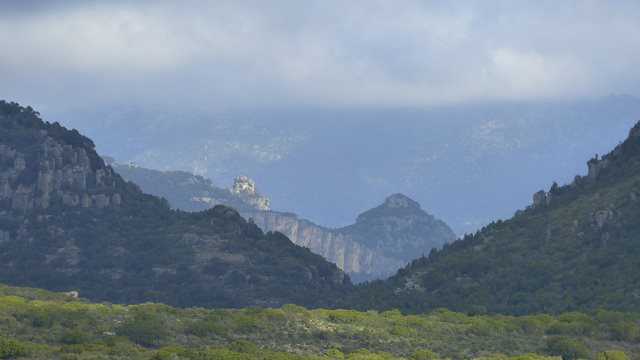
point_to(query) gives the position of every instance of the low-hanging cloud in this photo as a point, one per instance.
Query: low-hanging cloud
(243, 54)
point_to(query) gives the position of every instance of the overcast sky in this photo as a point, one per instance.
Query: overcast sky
(250, 54)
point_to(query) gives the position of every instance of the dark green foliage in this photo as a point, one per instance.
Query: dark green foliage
(612, 355)
(206, 329)
(579, 251)
(74, 337)
(225, 354)
(476, 310)
(141, 250)
(144, 329)
(422, 354)
(80, 329)
(10, 349)
(568, 348)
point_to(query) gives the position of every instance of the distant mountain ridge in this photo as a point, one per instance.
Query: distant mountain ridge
(68, 222)
(381, 241)
(189, 192)
(454, 157)
(577, 247)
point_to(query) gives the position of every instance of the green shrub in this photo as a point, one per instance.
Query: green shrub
(477, 310)
(244, 346)
(174, 352)
(612, 355)
(527, 357)
(245, 323)
(622, 331)
(205, 329)
(364, 354)
(224, 354)
(145, 330)
(334, 354)
(74, 336)
(568, 348)
(11, 348)
(344, 316)
(422, 354)
(398, 330)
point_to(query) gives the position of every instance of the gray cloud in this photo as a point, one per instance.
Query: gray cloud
(238, 54)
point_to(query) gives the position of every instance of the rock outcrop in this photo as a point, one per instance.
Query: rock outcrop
(245, 189)
(189, 192)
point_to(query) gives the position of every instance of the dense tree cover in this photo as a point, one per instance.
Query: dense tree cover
(141, 250)
(37, 323)
(578, 249)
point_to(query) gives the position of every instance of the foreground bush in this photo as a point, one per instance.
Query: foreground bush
(11, 348)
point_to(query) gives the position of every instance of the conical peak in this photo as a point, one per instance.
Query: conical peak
(400, 201)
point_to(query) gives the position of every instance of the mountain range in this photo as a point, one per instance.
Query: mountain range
(381, 241)
(69, 222)
(467, 164)
(577, 247)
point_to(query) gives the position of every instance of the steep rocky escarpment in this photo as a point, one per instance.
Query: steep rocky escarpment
(381, 241)
(69, 222)
(52, 172)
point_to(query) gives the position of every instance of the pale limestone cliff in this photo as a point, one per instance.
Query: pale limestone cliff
(60, 171)
(381, 241)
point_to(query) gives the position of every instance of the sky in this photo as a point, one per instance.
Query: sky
(477, 103)
(231, 55)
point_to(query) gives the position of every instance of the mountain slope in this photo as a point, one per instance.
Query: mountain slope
(189, 192)
(576, 247)
(69, 222)
(381, 241)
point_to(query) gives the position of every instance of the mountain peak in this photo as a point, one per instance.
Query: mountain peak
(395, 205)
(400, 201)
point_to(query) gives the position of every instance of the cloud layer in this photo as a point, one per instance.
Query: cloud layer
(239, 54)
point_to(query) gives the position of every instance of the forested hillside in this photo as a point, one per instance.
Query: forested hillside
(69, 222)
(577, 247)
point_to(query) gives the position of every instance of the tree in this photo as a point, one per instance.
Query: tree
(10, 349)
(145, 330)
(568, 348)
(422, 354)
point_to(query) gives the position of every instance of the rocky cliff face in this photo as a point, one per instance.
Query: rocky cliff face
(56, 172)
(361, 262)
(381, 241)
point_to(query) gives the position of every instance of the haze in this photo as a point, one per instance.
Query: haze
(330, 106)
